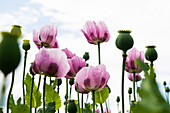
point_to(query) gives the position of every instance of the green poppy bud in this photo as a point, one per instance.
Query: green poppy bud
(72, 108)
(9, 53)
(59, 82)
(26, 45)
(16, 31)
(124, 40)
(130, 90)
(167, 89)
(151, 54)
(86, 56)
(118, 99)
(71, 81)
(31, 72)
(164, 83)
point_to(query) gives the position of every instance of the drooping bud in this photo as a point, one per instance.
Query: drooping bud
(71, 81)
(167, 89)
(151, 54)
(59, 82)
(164, 83)
(86, 56)
(118, 99)
(124, 40)
(26, 45)
(31, 72)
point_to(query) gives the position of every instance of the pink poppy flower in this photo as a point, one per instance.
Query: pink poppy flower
(47, 36)
(51, 62)
(68, 53)
(131, 65)
(81, 90)
(76, 63)
(96, 32)
(137, 77)
(93, 78)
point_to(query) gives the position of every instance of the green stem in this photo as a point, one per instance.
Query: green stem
(70, 92)
(106, 106)
(10, 91)
(44, 93)
(50, 81)
(99, 53)
(58, 88)
(2, 99)
(168, 98)
(118, 107)
(66, 97)
(78, 97)
(25, 59)
(39, 82)
(82, 102)
(31, 93)
(123, 68)
(129, 98)
(93, 93)
(134, 87)
(101, 107)
(87, 98)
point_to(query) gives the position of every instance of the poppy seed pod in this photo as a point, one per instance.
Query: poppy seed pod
(16, 31)
(26, 45)
(124, 40)
(164, 83)
(71, 81)
(59, 82)
(151, 54)
(86, 56)
(130, 90)
(9, 53)
(118, 99)
(72, 108)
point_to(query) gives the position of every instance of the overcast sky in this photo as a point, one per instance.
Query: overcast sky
(147, 19)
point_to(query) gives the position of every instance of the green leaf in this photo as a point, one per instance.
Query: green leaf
(11, 102)
(142, 65)
(52, 96)
(50, 108)
(101, 96)
(151, 98)
(55, 83)
(87, 108)
(19, 108)
(36, 95)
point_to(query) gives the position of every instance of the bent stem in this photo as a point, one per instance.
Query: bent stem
(10, 91)
(66, 97)
(25, 59)
(123, 68)
(31, 94)
(134, 87)
(44, 93)
(93, 93)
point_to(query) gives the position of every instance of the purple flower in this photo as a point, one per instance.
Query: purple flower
(68, 53)
(76, 63)
(97, 110)
(47, 36)
(93, 78)
(137, 77)
(131, 65)
(51, 62)
(81, 90)
(96, 33)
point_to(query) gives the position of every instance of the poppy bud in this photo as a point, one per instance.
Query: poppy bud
(59, 82)
(130, 90)
(167, 89)
(118, 99)
(86, 56)
(164, 83)
(71, 81)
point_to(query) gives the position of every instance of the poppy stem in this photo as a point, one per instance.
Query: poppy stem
(31, 93)
(123, 68)
(25, 59)
(10, 91)
(101, 107)
(39, 83)
(93, 93)
(70, 92)
(134, 87)
(58, 89)
(82, 102)
(44, 93)
(99, 52)
(87, 97)
(66, 96)
(78, 97)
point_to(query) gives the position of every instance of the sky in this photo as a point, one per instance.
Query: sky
(148, 21)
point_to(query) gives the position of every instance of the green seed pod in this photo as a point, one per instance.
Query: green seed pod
(59, 82)
(26, 45)
(71, 81)
(151, 54)
(72, 108)
(16, 31)
(86, 56)
(9, 53)
(130, 90)
(124, 40)
(118, 99)
(164, 83)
